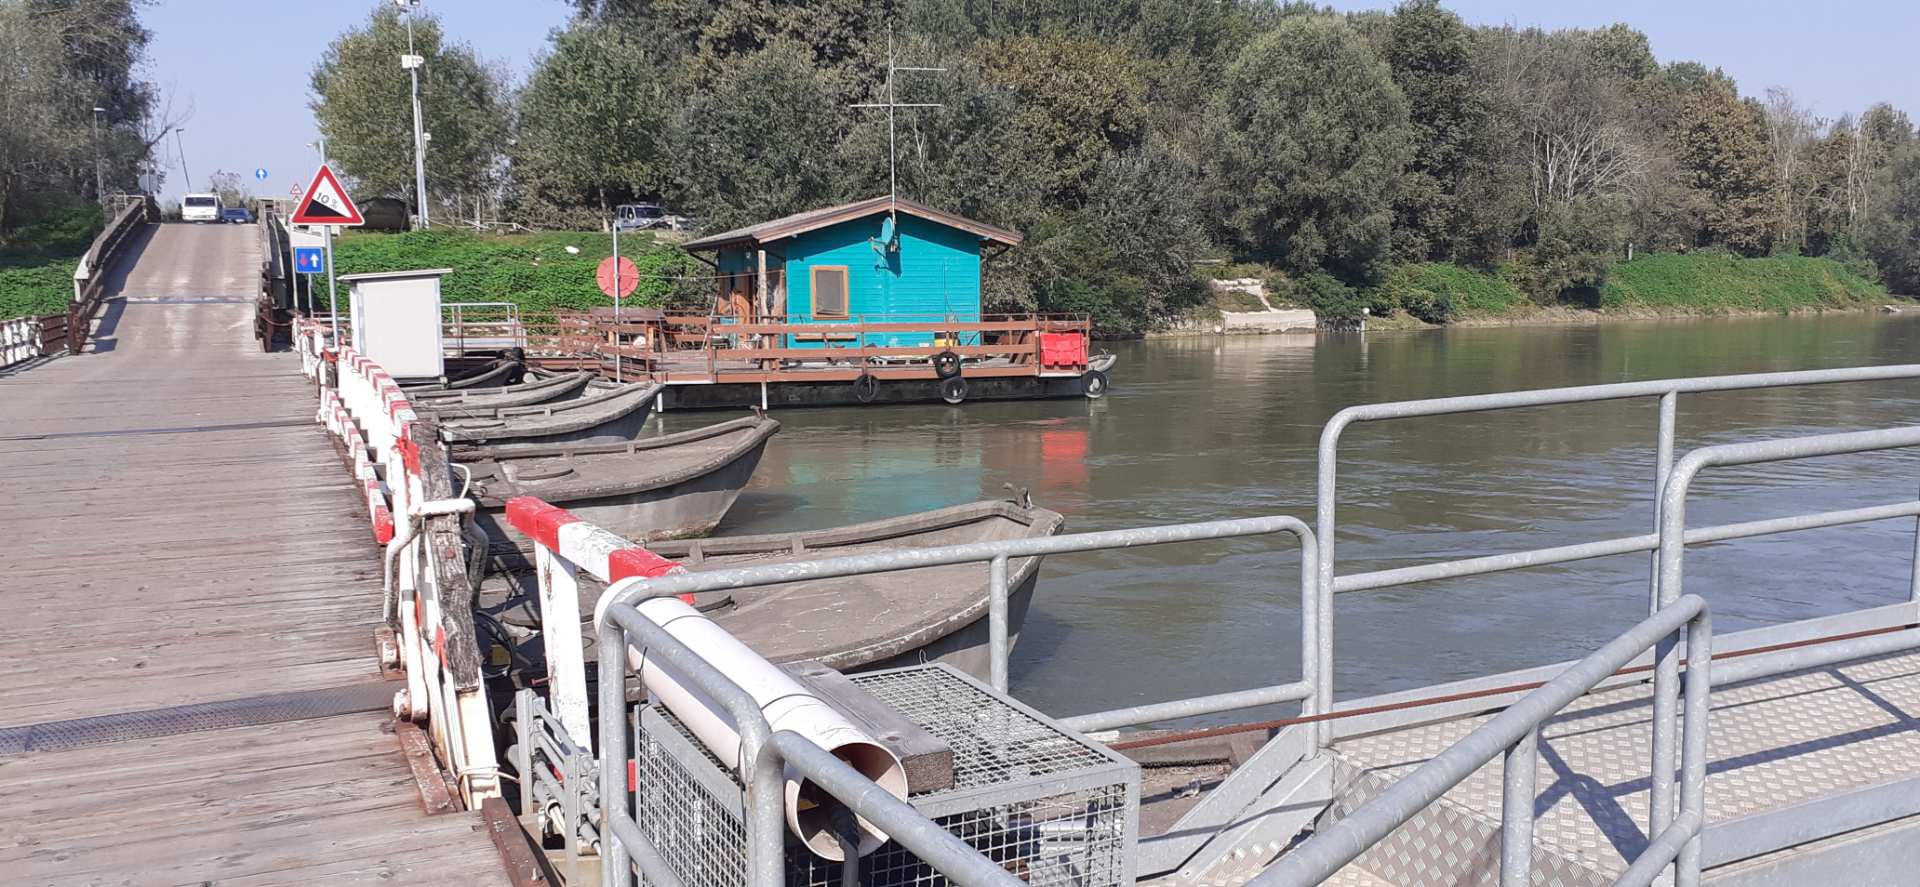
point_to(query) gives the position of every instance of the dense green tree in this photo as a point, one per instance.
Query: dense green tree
(760, 141)
(361, 103)
(1723, 154)
(1430, 51)
(1891, 231)
(63, 59)
(1311, 137)
(593, 120)
(1075, 102)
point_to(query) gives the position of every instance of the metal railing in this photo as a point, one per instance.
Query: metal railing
(492, 326)
(1676, 624)
(621, 625)
(1667, 390)
(1515, 733)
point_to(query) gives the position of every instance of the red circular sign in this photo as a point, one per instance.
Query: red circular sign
(629, 277)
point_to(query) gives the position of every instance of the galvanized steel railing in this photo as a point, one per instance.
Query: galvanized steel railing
(621, 625)
(1515, 733)
(1676, 623)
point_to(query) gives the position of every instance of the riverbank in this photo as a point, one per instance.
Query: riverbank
(1650, 288)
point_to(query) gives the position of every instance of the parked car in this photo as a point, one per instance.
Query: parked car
(646, 217)
(237, 215)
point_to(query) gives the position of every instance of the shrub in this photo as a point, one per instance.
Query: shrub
(1334, 302)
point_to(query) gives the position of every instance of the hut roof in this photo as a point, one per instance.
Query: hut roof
(813, 219)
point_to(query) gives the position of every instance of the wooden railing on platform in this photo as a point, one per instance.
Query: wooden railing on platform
(89, 279)
(693, 347)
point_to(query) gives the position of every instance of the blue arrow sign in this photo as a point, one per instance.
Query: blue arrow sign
(260, 173)
(309, 260)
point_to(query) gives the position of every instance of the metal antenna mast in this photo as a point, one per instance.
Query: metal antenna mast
(893, 182)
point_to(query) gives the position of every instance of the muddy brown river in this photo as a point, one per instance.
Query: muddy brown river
(1204, 428)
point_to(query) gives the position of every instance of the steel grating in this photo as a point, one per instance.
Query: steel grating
(155, 723)
(1771, 743)
(1048, 806)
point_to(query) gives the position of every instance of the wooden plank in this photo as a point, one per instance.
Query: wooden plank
(927, 759)
(435, 798)
(524, 866)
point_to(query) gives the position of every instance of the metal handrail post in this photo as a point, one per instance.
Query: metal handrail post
(1516, 810)
(1662, 467)
(997, 630)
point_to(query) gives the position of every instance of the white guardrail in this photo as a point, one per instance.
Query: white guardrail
(419, 518)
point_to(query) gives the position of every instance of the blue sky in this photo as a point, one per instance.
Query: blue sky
(243, 64)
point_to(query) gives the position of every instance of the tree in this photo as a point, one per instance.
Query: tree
(593, 123)
(1431, 54)
(1311, 135)
(363, 107)
(63, 59)
(1723, 153)
(1792, 131)
(760, 141)
(1891, 231)
(1075, 103)
(231, 186)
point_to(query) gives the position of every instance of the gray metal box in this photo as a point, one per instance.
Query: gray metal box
(1050, 805)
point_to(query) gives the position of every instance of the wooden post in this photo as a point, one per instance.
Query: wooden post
(761, 296)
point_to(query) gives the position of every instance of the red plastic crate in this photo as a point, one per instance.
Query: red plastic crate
(1063, 349)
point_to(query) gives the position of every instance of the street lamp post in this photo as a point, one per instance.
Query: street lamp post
(99, 165)
(412, 62)
(177, 146)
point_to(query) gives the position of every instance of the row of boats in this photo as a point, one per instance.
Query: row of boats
(579, 442)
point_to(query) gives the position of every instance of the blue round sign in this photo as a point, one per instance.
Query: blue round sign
(260, 173)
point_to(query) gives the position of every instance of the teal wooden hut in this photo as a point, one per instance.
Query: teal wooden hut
(883, 259)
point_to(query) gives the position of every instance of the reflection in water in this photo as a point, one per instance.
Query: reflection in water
(1205, 428)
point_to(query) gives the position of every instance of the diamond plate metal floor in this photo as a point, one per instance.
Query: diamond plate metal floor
(1772, 743)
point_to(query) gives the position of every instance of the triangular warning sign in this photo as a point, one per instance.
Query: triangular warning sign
(326, 203)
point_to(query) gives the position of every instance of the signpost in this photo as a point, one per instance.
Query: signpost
(327, 205)
(260, 173)
(618, 277)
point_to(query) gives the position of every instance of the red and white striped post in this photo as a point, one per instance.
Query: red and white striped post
(564, 545)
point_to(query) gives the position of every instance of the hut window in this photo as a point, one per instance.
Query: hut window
(830, 291)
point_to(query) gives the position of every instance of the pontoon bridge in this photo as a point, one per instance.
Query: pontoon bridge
(237, 661)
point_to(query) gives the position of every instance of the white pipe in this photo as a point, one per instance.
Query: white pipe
(787, 706)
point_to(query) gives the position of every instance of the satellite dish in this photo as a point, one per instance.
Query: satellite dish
(889, 239)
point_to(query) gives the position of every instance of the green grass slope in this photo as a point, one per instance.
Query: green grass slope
(1717, 283)
(534, 271)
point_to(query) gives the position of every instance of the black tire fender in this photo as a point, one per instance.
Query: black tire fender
(866, 387)
(1093, 384)
(953, 390)
(946, 364)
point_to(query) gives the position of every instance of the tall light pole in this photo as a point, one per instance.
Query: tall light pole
(100, 169)
(320, 144)
(412, 63)
(177, 146)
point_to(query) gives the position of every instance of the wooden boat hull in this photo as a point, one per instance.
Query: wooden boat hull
(497, 374)
(612, 416)
(480, 400)
(668, 487)
(857, 623)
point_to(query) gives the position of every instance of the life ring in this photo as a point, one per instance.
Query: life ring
(953, 390)
(866, 387)
(946, 364)
(1093, 384)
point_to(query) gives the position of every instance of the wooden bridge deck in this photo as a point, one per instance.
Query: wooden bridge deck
(177, 531)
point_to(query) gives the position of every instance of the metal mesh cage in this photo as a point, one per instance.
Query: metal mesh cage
(1052, 808)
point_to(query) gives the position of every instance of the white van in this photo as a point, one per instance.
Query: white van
(200, 208)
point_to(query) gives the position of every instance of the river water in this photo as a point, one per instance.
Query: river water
(1204, 428)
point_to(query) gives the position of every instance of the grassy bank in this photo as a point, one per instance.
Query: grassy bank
(37, 261)
(1697, 284)
(1720, 284)
(534, 271)
(35, 284)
